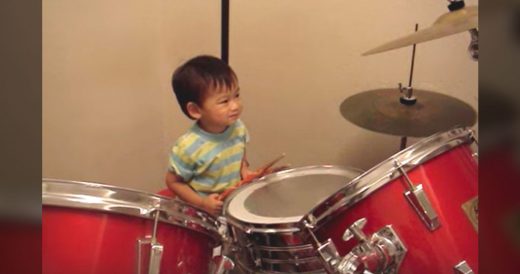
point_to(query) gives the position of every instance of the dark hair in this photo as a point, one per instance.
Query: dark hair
(192, 80)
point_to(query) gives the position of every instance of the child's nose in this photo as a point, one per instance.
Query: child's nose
(235, 104)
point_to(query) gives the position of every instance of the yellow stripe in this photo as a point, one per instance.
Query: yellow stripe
(182, 156)
(236, 133)
(207, 188)
(187, 140)
(239, 131)
(184, 142)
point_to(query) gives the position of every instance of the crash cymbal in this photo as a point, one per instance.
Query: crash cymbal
(447, 24)
(380, 110)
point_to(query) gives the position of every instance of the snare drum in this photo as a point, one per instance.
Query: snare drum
(415, 212)
(263, 218)
(96, 228)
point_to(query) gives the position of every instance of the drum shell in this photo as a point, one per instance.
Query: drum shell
(281, 246)
(449, 180)
(77, 239)
(275, 251)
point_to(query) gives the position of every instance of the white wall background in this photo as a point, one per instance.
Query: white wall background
(109, 114)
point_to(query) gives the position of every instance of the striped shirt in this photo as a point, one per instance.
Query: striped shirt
(208, 162)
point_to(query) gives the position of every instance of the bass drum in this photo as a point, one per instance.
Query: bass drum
(264, 218)
(415, 212)
(102, 229)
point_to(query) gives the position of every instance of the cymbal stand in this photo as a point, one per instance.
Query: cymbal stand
(407, 97)
(473, 44)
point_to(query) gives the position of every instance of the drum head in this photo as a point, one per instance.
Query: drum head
(288, 195)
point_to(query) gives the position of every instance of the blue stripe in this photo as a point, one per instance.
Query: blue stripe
(198, 166)
(228, 161)
(219, 148)
(200, 141)
(232, 177)
(178, 161)
(185, 169)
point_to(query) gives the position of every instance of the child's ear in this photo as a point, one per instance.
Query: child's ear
(193, 110)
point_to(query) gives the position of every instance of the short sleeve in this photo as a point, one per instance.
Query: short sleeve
(181, 164)
(244, 131)
(246, 135)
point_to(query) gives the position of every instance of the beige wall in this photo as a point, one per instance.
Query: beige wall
(109, 114)
(108, 111)
(298, 60)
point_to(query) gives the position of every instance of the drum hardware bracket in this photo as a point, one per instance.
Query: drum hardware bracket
(156, 248)
(470, 208)
(221, 264)
(462, 268)
(236, 247)
(419, 201)
(327, 251)
(473, 137)
(254, 255)
(382, 253)
(474, 146)
(222, 227)
(156, 251)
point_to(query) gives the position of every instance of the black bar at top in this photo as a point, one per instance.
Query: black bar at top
(225, 32)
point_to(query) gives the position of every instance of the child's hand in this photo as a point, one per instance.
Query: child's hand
(212, 204)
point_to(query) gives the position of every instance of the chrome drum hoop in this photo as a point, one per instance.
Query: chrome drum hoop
(126, 201)
(386, 171)
(247, 270)
(283, 226)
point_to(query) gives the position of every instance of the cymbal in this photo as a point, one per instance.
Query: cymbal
(447, 24)
(380, 110)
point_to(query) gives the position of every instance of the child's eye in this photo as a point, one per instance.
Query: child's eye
(237, 95)
(224, 102)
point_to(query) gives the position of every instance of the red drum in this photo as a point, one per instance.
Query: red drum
(95, 228)
(415, 212)
(264, 218)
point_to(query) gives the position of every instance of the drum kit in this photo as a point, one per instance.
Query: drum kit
(415, 212)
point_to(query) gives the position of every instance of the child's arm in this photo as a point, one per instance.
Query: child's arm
(209, 203)
(245, 172)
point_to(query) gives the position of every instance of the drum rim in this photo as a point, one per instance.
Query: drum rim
(242, 266)
(386, 171)
(126, 201)
(282, 225)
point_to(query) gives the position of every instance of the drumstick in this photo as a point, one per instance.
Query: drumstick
(248, 179)
(266, 167)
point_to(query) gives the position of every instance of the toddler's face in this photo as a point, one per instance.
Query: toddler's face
(220, 108)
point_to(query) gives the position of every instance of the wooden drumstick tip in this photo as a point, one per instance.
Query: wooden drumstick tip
(270, 164)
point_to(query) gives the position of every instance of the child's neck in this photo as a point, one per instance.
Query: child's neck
(211, 128)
